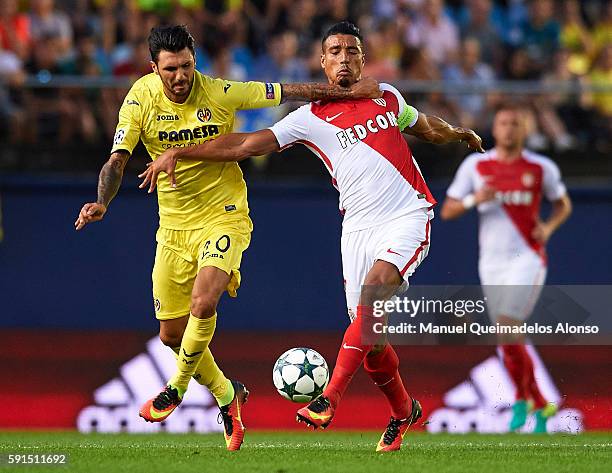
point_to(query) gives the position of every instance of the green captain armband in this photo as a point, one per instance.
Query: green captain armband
(407, 118)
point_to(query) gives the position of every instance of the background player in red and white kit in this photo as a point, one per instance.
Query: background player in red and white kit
(384, 199)
(507, 184)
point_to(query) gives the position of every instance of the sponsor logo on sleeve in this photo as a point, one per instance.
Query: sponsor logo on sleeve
(119, 136)
(269, 91)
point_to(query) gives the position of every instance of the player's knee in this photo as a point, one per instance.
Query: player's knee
(203, 307)
(379, 287)
(374, 284)
(171, 339)
(389, 276)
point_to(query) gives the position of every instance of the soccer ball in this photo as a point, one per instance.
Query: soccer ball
(300, 374)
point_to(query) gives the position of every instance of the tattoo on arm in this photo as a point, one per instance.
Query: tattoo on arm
(313, 92)
(111, 176)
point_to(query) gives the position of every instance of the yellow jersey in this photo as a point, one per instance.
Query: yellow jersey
(602, 101)
(205, 192)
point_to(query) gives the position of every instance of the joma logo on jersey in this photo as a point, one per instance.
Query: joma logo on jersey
(212, 255)
(515, 197)
(168, 117)
(187, 134)
(352, 135)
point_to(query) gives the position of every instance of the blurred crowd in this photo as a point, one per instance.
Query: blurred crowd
(476, 41)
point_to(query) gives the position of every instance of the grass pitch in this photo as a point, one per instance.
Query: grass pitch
(312, 452)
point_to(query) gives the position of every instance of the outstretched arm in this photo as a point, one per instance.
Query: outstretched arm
(108, 186)
(365, 88)
(230, 147)
(437, 131)
(111, 176)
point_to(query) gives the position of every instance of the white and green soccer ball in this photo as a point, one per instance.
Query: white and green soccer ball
(300, 374)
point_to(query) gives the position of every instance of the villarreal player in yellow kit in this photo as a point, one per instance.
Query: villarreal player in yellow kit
(205, 221)
(204, 224)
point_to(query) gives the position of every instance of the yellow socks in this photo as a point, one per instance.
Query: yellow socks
(210, 375)
(207, 373)
(197, 336)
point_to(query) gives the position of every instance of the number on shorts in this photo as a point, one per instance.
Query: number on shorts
(225, 241)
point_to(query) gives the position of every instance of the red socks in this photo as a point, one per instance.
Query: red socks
(514, 360)
(351, 354)
(383, 370)
(532, 385)
(521, 370)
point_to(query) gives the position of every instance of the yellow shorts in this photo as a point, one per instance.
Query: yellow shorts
(180, 255)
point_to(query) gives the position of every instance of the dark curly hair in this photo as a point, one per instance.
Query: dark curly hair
(173, 38)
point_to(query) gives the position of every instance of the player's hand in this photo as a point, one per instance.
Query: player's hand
(485, 194)
(366, 88)
(166, 162)
(91, 212)
(541, 233)
(473, 141)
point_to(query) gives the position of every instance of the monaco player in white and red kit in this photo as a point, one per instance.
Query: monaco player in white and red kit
(384, 199)
(383, 196)
(507, 184)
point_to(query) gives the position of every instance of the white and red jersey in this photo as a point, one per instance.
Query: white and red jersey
(507, 222)
(363, 149)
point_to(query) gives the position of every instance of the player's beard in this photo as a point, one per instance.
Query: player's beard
(345, 82)
(345, 77)
(178, 95)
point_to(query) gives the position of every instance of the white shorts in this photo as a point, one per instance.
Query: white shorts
(403, 242)
(525, 274)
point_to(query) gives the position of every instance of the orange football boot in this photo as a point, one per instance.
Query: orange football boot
(319, 413)
(393, 435)
(161, 406)
(231, 415)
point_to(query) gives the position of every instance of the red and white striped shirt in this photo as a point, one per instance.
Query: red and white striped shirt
(507, 222)
(363, 149)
